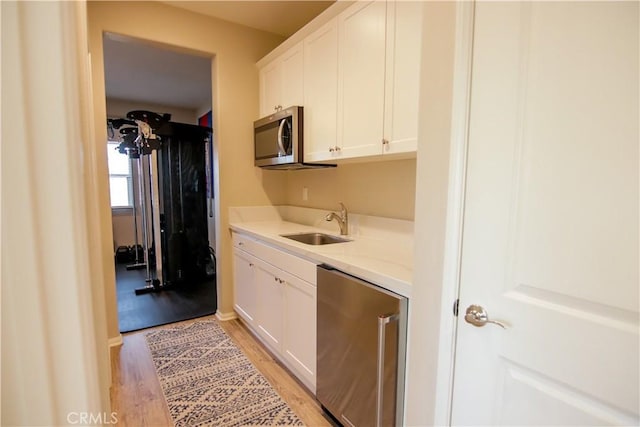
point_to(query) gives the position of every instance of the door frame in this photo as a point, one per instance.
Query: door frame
(457, 187)
(460, 114)
(440, 189)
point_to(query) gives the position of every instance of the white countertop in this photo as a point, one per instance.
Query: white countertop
(380, 259)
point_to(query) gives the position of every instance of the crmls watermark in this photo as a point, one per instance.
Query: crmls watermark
(92, 418)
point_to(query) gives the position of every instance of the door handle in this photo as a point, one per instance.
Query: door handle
(383, 320)
(281, 150)
(477, 316)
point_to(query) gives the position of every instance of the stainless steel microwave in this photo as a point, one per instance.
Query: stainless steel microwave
(279, 141)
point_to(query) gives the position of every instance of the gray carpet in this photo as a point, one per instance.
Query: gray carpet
(208, 381)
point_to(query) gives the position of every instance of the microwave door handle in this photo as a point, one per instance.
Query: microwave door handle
(281, 150)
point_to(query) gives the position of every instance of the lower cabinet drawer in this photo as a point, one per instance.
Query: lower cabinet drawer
(292, 264)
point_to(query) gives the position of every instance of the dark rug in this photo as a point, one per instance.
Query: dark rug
(185, 302)
(208, 381)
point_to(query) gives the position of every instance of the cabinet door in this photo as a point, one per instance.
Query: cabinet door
(404, 35)
(271, 304)
(270, 87)
(300, 329)
(281, 81)
(320, 92)
(292, 77)
(361, 49)
(244, 286)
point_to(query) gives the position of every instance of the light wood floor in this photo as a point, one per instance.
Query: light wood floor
(137, 398)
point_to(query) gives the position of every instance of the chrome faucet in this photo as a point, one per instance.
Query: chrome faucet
(343, 219)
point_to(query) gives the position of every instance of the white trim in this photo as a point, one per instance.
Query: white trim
(455, 210)
(115, 341)
(223, 317)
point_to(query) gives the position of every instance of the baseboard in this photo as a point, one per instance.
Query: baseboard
(115, 341)
(223, 317)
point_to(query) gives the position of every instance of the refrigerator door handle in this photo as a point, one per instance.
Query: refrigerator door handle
(383, 321)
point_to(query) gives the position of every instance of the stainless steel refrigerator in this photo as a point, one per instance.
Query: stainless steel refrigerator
(361, 350)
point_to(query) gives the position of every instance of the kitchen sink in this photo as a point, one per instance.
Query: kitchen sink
(315, 238)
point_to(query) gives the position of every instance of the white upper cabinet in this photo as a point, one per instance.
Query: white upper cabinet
(359, 82)
(321, 92)
(292, 76)
(404, 35)
(281, 82)
(270, 88)
(361, 47)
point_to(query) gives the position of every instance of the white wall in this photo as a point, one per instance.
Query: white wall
(382, 188)
(54, 344)
(425, 401)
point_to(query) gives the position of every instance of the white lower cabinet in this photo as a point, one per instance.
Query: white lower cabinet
(245, 286)
(270, 289)
(300, 336)
(278, 305)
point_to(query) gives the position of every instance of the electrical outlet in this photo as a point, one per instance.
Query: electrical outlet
(305, 193)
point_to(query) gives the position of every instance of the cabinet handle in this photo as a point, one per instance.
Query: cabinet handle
(337, 148)
(275, 278)
(240, 244)
(250, 264)
(331, 150)
(385, 142)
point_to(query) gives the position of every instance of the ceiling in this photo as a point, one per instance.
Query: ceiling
(136, 71)
(278, 17)
(149, 73)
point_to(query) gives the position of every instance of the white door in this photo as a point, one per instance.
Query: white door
(550, 241)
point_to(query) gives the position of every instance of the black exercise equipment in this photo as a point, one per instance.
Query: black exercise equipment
(138, 263)
(177, 191)
(147, 142)
(183, 207)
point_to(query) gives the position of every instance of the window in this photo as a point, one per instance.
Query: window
(119, 177)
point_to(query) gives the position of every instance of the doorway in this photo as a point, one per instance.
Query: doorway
(175, 86)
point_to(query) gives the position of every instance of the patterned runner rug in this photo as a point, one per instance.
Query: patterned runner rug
(208, 381)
